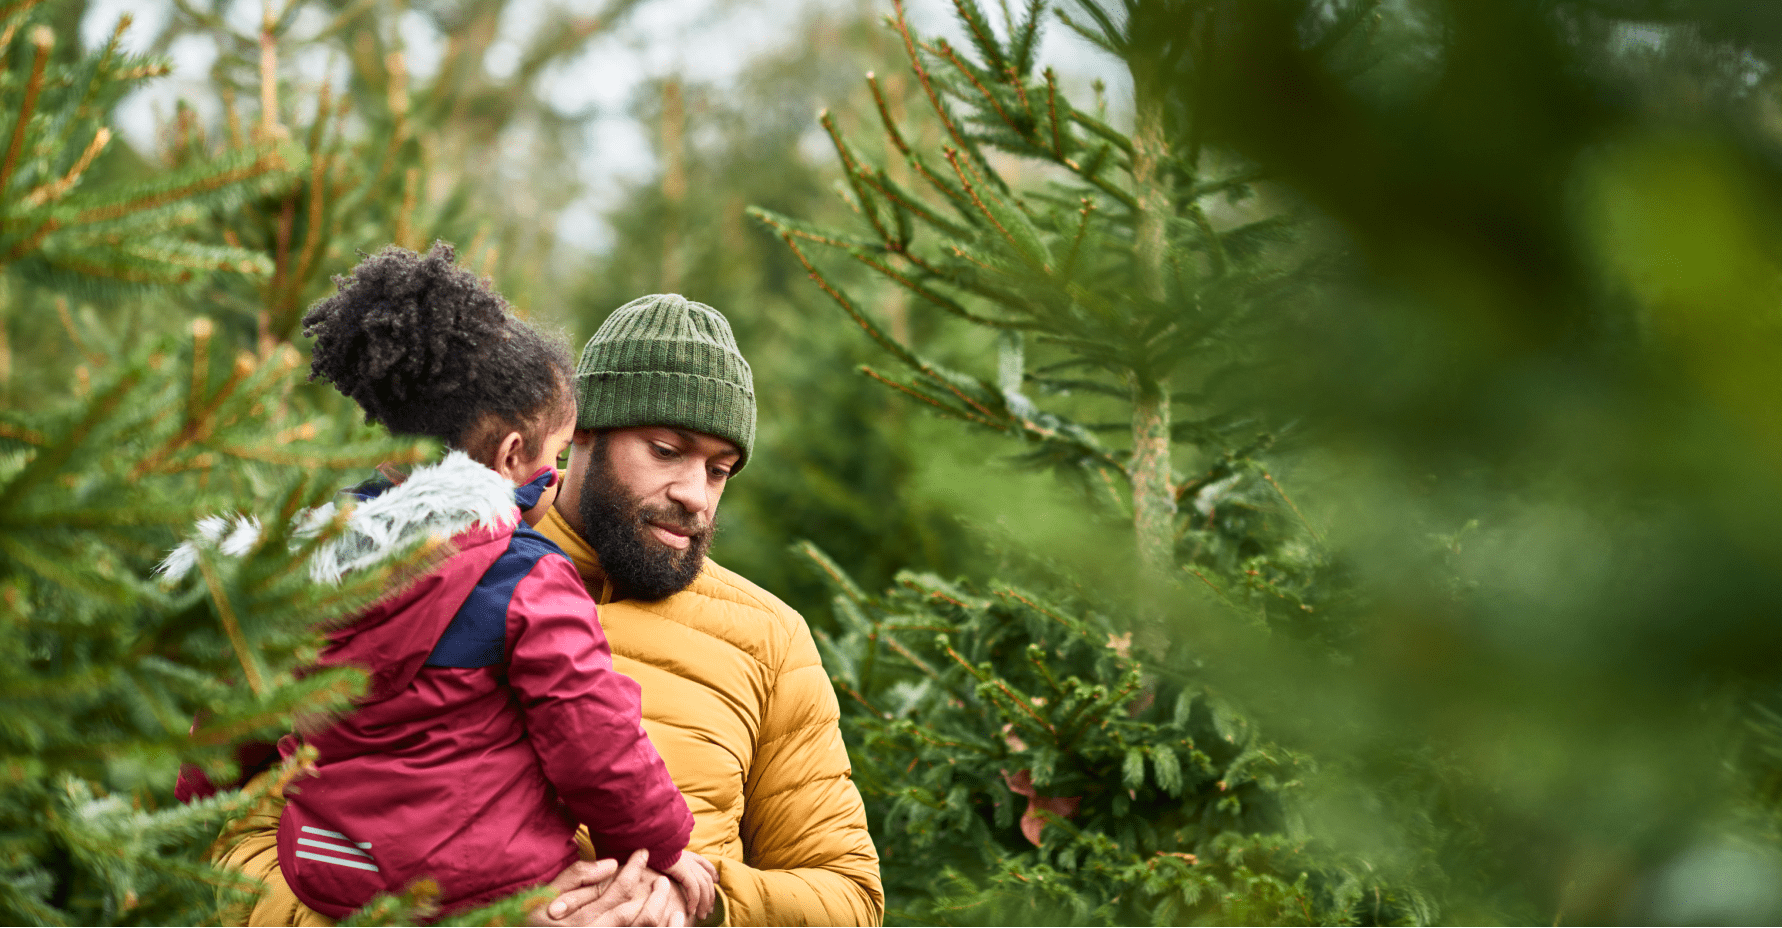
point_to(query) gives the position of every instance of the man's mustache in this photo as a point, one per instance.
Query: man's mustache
(678, 519)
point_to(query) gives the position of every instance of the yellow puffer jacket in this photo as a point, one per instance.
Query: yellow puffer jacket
(736, 700)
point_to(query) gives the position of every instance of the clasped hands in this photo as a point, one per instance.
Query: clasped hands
(604, 893)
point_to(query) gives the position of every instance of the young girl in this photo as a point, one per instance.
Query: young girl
(493, 721)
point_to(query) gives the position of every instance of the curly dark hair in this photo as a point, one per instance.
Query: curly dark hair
(426, 348)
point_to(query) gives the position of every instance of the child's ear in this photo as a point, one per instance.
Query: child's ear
(510, 457)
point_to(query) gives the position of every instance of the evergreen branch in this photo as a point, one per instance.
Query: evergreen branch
(838, 577)
(55, 190)
(1025, 39)
(943, 407)
(52, 459)
(1291, 505)
(269, 161)
(959, 169)
(1052, 113)
(1021, 95)
(31, 242)
(232, 627)
(885, 341)
(13, 9)
(899, 197)
(1215, 247)
(1107, 132)
(1076, 242)
(1109, 39)
(851, 169)
(915, 161)
(1210, 585)
(1001, 686)
(20, 433)
(878, 99)
(42, 39)
(944, 302)
(281, 250)
(904, 651)
(839, 684)
(1233, 182)
(312, 239)
(940, 108)
(981, 35)
(946, 52)
(202, 330)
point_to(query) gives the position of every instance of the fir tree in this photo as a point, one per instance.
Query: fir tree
(58, 231)
(1133, 281)
(112, 678)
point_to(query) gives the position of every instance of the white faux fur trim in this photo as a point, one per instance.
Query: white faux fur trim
(441, 500)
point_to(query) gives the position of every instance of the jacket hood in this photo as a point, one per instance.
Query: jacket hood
(437, 500)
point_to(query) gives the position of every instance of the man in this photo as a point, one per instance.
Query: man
(734, 696)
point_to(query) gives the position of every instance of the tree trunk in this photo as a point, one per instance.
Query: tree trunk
(1153, 495)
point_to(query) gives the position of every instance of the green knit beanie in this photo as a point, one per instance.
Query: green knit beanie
(666, 360)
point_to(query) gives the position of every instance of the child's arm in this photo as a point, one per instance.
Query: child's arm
(583, 719)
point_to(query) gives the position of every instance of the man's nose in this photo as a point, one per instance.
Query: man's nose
(688, 490)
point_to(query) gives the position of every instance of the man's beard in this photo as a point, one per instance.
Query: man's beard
(617, 526)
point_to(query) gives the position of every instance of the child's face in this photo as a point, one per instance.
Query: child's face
(548, 452)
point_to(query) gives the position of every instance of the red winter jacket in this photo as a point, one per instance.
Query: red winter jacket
(493, 722)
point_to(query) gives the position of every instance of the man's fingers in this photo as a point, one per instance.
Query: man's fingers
(633, 872)
(655, 908)
(579, 884)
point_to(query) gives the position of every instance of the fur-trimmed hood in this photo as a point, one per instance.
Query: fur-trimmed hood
(438, 500)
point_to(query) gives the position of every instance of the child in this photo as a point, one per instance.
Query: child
(493, 721)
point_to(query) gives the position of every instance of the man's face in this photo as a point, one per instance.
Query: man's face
(648, 503)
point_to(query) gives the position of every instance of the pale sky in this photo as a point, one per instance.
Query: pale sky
(703, 41)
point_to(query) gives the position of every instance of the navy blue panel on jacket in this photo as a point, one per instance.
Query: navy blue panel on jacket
(477, 636)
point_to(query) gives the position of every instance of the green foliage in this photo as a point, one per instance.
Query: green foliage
(1033, 771)
(102, 240)
(106, 668)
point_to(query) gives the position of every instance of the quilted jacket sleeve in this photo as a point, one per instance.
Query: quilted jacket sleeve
(810, 859)
(583, 719)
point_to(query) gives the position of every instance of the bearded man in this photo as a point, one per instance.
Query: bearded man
(734, 695)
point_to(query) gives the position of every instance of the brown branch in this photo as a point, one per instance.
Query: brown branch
(20, 433)
(837, 682)
(909, 45)
(43, 39)
(851, 168)
(946, 51)
(1302, 516)
(935, 298)
(905, 388)
(56, 189)
(232, 627)
(1052, 111)
(268, 162)
(30, 242)
(953, 159)
(909, 154)
(889, 344)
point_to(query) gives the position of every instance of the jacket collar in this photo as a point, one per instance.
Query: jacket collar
(587, 563)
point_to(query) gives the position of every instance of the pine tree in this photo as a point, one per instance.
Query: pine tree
(1132, 278)
(112, 679)
(392, 157)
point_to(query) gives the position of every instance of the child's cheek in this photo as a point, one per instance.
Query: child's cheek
(537, 513)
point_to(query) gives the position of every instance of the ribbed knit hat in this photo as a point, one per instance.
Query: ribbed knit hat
(666, 360)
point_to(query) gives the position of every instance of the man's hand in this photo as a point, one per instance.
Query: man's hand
(603, 893)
